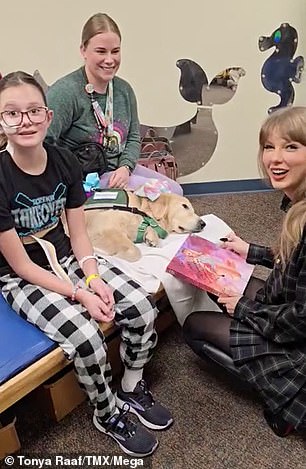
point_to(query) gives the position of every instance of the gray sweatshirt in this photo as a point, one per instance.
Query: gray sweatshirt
(74, 122)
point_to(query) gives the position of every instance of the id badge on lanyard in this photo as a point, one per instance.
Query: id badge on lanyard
(105, 120)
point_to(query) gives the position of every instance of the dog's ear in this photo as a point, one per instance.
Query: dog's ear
(158, 208)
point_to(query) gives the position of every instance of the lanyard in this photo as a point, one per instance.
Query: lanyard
(105, 120)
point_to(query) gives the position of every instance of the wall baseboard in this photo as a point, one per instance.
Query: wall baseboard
(220, 187)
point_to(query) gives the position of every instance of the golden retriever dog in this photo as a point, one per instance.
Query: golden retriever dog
(115, 231)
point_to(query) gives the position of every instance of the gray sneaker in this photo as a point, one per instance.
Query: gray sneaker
(132, 438)
(152, 414)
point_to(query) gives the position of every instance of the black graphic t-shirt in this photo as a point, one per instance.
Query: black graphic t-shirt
(31, 203)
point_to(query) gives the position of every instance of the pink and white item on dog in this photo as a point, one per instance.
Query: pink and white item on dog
(153, 188)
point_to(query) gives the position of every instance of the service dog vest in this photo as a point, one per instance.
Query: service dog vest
(119, 200)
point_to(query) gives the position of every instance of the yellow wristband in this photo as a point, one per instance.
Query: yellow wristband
(90, 278)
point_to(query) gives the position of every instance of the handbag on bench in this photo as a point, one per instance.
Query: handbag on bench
(156, 154)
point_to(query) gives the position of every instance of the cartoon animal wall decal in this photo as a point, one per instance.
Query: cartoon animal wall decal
(195, 87)
(281, 69)
(198, 136)
(194, 141)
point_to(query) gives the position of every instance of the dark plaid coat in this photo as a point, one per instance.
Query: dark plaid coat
(268, 334)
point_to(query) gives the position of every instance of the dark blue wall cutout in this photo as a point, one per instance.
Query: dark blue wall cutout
(280, 69)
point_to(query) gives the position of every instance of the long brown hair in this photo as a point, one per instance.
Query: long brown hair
(290, 124)
(16, 79)
(96, 24)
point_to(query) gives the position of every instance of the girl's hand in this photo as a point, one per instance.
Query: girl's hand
(101, 289)
(236, 244)
(229, 302)
(119, 178)
(96, 307)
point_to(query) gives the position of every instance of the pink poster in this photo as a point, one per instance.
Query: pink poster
(210, 267)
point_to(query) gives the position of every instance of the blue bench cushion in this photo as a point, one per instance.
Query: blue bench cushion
(20, 342)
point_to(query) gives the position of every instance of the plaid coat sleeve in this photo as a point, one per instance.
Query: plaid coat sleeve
(281, 316)
(260, 255)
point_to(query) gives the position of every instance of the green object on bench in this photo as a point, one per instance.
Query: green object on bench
(107, 198)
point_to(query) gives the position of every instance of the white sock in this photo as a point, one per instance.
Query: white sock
(130, 379)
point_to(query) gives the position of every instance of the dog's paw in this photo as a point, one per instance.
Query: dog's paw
(151, 238)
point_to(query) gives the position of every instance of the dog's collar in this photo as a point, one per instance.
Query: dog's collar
(148, 221)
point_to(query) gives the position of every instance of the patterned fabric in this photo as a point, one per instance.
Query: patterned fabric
(260, 255)
(79, 336)
(268, 335)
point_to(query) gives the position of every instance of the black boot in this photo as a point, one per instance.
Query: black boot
(279, 426)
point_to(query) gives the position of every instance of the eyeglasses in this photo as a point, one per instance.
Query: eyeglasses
(37, 115)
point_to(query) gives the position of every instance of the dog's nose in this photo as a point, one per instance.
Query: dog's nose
(202, 224)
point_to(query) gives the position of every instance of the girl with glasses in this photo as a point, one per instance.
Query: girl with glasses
(63, 293)
(13, 119)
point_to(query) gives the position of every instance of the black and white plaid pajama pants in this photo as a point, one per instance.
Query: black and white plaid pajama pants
(80, 337)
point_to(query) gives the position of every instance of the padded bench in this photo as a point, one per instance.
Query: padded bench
(21, 344)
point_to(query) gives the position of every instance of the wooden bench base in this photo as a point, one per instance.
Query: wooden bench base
(9, 441)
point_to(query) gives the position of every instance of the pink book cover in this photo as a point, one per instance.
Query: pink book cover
(210, 267)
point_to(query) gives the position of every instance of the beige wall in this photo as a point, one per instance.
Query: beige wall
(217, 35)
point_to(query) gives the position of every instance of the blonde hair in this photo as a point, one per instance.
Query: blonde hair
(97, 24)
(290, 124)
